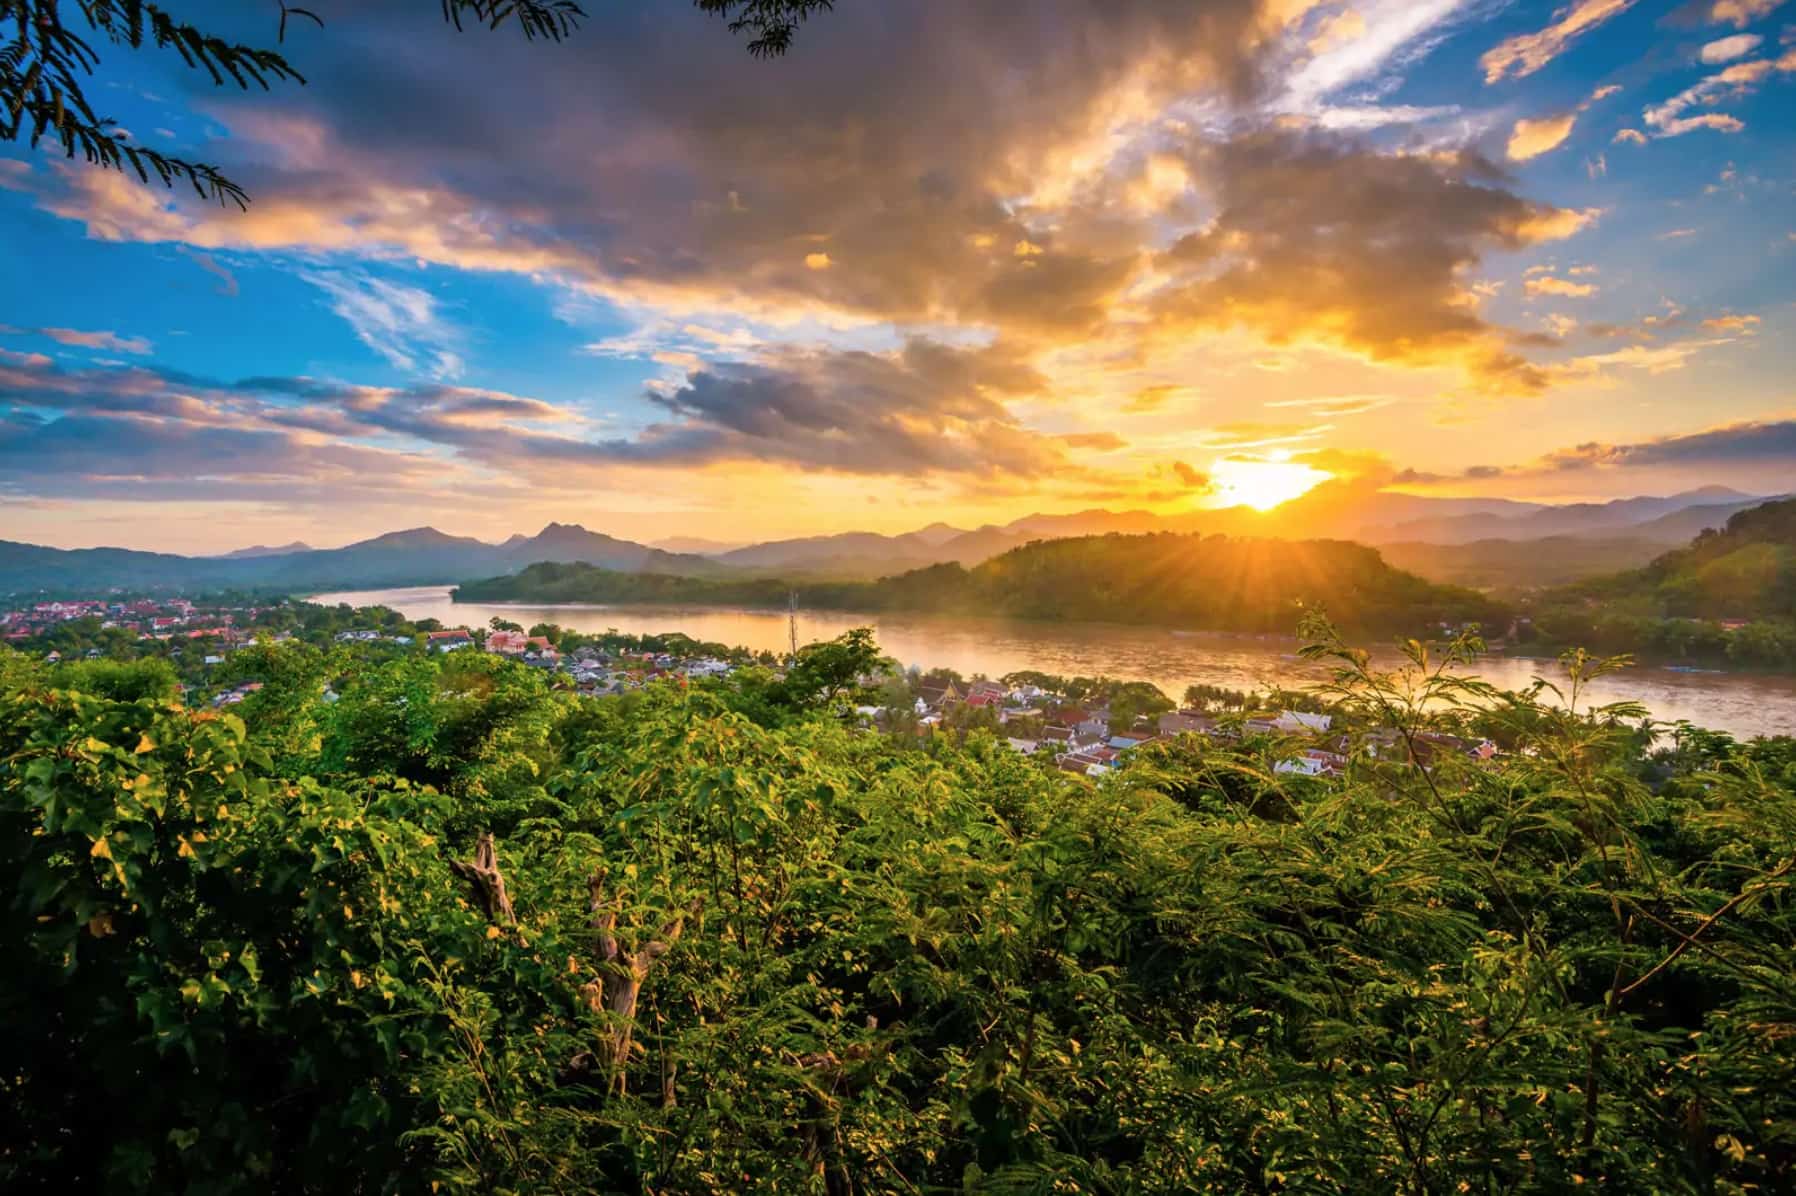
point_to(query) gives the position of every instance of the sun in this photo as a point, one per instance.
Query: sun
(1262, 485)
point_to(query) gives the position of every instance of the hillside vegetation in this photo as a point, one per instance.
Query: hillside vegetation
(459, 932)
(1746, 570)
(1510, 567)
(1743, 574)
(1214, 582)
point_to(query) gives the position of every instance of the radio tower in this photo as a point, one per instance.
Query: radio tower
(792, 623)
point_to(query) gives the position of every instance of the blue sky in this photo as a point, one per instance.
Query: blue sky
(957, 260)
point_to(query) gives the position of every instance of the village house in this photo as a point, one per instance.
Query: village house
(1090, 762)
(986, 693)
(1187, 722)
(510, 643)
(1313, 762)
(448, 641)
(1293, 721)
(1089, 726)
(937, 697)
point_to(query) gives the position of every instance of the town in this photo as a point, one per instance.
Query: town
(1087, 727)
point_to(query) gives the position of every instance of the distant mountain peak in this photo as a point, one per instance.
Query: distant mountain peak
(258, 550)
(413, 536)
(1717, 493)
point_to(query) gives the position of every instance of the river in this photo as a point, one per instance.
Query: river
(1743, 704)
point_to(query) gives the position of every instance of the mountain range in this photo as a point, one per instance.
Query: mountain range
(420, 556)
(1631, 530)
(1486, 542)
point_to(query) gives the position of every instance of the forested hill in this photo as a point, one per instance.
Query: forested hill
(1746, 570)
(1198, 582)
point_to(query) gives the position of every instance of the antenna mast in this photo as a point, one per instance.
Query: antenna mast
(792, 621)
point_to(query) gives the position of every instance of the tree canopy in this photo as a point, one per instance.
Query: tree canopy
(458, 931)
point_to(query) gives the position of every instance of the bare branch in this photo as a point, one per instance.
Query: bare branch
(482, 872)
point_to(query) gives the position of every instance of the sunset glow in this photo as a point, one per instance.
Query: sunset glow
(1263, 485)
(1462, 249)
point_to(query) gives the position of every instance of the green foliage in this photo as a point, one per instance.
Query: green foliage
(121, 681)
(1671, 608)
(742, 946)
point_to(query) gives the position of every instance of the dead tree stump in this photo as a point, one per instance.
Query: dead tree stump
(482, 873)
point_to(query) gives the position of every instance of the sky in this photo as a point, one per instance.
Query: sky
(956, 260)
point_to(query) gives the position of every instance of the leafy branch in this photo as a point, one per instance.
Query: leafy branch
(49, 53)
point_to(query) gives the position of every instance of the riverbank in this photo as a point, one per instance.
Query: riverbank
(1742, 705)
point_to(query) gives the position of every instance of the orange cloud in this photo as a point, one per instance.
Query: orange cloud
(1532, 138)
(1526, 53)
(1548, 285)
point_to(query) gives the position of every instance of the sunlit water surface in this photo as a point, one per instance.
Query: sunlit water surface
(1743, 704)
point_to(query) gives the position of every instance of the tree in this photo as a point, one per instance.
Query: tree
(1133, 700)
(51, 48)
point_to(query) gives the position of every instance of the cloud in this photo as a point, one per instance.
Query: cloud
(1738, 13)
(1354, 50)
(399, 322)
(924, 411)
(1726, 49)
(1629, 137)
(1341, 244)
(928, 408)
(141, 433)
(227, 282)
(1336, 406)
(86, 457)
(1651, 360)
(1732, 323)
(677, 203)
(1194, 478)
(1546, 284)
(847, 192)
(1721, 122)
(1756, 453)
(1526, 53)
(1532, 138)
(1735, 82)
(1101, 442)
(1153, 398)
(110, 341)
(1744, 443)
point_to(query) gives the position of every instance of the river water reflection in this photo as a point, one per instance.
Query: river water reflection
(1743, 704)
